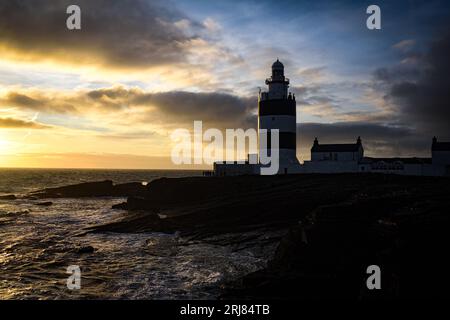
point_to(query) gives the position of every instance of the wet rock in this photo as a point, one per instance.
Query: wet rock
(8, 197)
(136, 222)
(129, 189)
(91, 189)
(44, 204)
(349, 221)
(165, 247)
(18, 213)
(327, 256)
(201, 207)
(85, 249)
(140, 203)
(120, 206)
(88, 189)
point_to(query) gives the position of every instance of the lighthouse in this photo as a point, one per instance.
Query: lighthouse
(277, 110)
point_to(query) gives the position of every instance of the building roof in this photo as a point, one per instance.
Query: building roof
(345, 147)
(441, 146)
(348, 147)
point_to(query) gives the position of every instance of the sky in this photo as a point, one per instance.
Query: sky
(110, 95)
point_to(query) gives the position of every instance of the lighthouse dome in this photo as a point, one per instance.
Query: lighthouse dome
(277, 65)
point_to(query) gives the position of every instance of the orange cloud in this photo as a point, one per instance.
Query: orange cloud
(11, 123)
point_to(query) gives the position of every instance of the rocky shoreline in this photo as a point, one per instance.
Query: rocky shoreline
(326, 228)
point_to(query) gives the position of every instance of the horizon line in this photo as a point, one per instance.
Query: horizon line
(74, 168)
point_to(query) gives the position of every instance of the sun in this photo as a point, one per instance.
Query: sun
(4, 144)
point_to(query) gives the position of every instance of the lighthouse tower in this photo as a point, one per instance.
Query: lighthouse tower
(277, 110)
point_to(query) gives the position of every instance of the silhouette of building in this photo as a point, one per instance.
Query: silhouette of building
(440, 152)
(277, 110)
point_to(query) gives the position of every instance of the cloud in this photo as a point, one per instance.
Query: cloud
(405, 45)
(213, 107)
(216, 108)
(115, 33)
(17, 99)
(421, 96)
(128, 106)
(11, 123)
(344, 131)
(37, 101)
(211, 25)
(312, 74)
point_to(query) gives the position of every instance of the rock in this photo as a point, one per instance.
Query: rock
(136, 222)
(18, 213)
(327, 256)
(165, 247)
(91, 189)
(349, 222)
(129, 189)
(120, 206)
(85, 249)
(8, 197)
(45, 204)
(88, 189)
(207, 206)
(140, 203)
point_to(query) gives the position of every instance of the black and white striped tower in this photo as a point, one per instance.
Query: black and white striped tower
(277, 110)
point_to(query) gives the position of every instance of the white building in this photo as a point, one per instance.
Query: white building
(336, 158)
(332, 158)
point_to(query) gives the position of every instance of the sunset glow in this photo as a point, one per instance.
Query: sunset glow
(122, 84)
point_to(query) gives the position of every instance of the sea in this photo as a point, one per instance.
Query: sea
(38, 245)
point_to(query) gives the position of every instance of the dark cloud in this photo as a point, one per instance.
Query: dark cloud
(123, 33)
(22, 100)
(342, 131)
(396, 73)
(309, 95)
(11, 123)
(421, 93)
(215, 107)
(37, 102)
